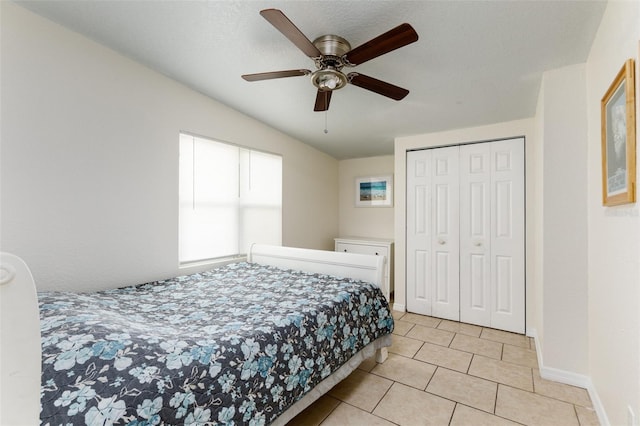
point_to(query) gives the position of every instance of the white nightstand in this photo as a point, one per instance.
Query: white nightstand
(376, 246)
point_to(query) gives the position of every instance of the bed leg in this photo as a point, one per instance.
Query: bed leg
(381, 355)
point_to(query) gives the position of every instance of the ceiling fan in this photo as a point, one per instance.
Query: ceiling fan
(332, 53)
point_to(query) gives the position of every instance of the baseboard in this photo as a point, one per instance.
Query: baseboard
(569, 378)
(399, 307)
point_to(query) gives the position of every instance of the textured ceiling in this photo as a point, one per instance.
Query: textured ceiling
(476, 62)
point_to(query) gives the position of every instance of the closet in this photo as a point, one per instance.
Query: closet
(465, 233)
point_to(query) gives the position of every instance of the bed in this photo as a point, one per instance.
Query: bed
(253, 342)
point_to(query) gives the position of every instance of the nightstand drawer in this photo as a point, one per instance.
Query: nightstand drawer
(363, 249)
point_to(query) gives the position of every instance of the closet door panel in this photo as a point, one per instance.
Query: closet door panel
(504, 282)
(475, 234)
(446, 233)
(419, 232)
(477, 298)
(504, 210)
(422, 291)
(507, 239)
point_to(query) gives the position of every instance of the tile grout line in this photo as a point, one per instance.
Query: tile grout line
(361, 409)
(455, 407)
(379, 401)
(533, 381)
(575, 411)
(495, 401)
(331, 411)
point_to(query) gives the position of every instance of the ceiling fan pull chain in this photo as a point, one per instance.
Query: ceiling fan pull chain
(325, 122)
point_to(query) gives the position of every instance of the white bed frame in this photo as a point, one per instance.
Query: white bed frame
(20, 351)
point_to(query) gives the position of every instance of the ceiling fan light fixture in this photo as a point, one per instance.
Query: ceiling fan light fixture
(328, 79)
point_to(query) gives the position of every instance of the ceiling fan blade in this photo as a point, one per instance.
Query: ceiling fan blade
(290, 31)
(378, 86)
(275, 74)
(322, 100)
(391, 40)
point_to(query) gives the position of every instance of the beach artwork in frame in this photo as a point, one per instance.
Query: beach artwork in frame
(374, 191)
(619, 139)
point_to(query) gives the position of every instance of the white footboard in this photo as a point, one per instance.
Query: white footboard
(351, 265)
(20, 352)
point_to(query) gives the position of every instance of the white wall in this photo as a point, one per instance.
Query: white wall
(89, 166)
(564, 230)
(475, 134)
(614, 233)
(373, 222)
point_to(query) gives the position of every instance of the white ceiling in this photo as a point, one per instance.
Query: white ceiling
(476, 62)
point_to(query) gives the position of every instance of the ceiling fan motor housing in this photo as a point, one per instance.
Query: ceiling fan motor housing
(332, 45)
(329, 75)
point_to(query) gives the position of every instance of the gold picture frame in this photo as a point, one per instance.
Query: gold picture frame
(618, 117)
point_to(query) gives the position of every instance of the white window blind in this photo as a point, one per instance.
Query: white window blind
(230, 197)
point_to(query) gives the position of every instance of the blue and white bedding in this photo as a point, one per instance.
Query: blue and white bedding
(235, 345)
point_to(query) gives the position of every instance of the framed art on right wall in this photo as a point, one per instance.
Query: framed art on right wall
(619, 139)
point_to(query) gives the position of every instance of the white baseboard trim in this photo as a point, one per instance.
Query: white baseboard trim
(569, 378)
(399, 307)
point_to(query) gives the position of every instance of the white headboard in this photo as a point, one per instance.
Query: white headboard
(20, 351)
(358, 266)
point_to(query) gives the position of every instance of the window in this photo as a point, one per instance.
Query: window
(230, 197)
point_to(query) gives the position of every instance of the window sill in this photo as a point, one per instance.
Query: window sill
(204, 265)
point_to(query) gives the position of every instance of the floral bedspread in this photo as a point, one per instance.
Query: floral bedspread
(235, 345)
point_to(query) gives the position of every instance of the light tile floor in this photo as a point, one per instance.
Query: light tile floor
(441, 372)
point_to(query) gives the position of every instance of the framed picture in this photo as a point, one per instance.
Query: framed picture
(374, 191)
(619, 139)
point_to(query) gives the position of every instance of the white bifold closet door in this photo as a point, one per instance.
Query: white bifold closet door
(433, 233)
(492, 258)
(465, 233)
